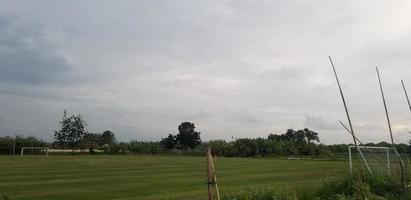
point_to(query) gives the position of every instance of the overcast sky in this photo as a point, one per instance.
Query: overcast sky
(234, 68)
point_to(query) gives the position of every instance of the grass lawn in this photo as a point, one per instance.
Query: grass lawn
(149, 177)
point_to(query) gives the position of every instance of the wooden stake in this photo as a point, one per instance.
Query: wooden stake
(211, 177)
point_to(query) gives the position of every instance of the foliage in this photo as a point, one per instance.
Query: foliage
(170, 142)
(105, 141)
(107, 137)
(344, 188)
(72, 132)
(292, 142)
(91, 141)
(187, 138)
(144, 147)
(6, 143)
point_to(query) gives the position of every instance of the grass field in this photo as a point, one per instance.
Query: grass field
(149, 177)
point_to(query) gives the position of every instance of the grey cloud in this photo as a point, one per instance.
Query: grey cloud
(26, 57)
(320, 122)
(234, 68)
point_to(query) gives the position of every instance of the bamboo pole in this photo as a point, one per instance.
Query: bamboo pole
(360, 168)
(345, 105)
(361, 143)
(406, 95)
(390, 130)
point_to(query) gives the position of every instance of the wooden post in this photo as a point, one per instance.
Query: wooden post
(211, 177)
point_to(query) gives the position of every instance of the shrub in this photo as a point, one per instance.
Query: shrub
(333, 188)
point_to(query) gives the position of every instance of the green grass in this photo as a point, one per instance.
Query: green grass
(150, 177)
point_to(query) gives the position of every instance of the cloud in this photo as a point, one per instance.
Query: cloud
(320, 122)
(26, 56)
(234, 68)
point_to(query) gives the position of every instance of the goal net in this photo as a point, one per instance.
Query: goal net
(376, 160)
(34, 151)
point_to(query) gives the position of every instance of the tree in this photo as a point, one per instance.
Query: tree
(73, 130)
(300, 137)
(289, 135)
(274, 137)
(311, 135)
(170, 142)
(108, 138)
(188, 137)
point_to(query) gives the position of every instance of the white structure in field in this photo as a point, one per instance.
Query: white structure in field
(374, 158)
(42, 149)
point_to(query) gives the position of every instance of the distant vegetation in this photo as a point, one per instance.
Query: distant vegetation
(290, 143)
(74, 135)
(19, 141)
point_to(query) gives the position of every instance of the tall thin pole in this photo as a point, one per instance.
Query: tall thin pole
(389, 128)
(385, 108)
(361, 174)
(345, 105)
(406, 95)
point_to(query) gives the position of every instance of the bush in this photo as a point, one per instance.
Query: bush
(333, 188)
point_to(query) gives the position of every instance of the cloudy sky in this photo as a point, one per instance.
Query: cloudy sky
(234, 68)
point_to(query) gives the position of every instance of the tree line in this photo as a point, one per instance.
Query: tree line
(13, 144)
(74, 135)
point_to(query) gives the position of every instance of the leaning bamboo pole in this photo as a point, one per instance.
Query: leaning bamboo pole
(406, 95)
(365, 147)
(390, 130)
(360, 168)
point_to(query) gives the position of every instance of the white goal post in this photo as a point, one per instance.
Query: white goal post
(372, 157)
(42, 149)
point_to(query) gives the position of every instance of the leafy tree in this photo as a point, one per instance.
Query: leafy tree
(73, 130)
(220, 148)
(108, 138)
(169, 143)
(274, 137)
(311, 135)
(300, 137)
(6, 145)
(289, 135)
(188, 137)
(144, 147)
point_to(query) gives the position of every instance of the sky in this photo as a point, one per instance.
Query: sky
(233, 68)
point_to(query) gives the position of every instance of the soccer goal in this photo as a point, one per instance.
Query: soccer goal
(377, 160)
(34, 151)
